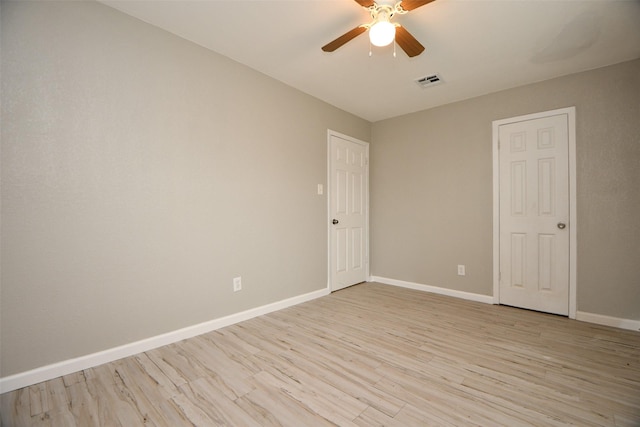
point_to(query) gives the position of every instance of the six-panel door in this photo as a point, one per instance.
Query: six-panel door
(534, 214)
(348, 208)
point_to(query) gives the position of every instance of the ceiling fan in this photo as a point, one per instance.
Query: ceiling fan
(382, 31)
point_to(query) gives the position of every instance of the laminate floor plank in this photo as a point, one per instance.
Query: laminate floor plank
(277, 408)
(84, 405)
(337, 350)
(59, 404)
(371, 417)
(409, 416)
(368, 355)
(156, 376)
(324, 405)
(193, 414)
(16, 409)
(351, 384)
(230, 375)
(142, 391)
(113, 400)
(38, 399)
(203, 393)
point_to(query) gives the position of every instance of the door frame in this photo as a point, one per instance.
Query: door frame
(331, 133)
(571, 122)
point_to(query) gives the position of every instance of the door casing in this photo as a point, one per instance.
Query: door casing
(330, 134)
(571, 118)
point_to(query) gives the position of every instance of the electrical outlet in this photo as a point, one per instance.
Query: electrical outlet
(461, 270)
(237, 284)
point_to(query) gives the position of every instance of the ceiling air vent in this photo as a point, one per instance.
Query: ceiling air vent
(428, 81)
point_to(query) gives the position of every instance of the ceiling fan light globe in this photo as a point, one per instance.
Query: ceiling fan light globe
(382, 33)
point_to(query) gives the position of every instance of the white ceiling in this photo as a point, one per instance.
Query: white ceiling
(476, 46)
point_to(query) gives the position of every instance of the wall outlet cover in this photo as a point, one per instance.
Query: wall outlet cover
(461, 270)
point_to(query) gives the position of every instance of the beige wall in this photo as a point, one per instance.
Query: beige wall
(140, 174)
(431, 180)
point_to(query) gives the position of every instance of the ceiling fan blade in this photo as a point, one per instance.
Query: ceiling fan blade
(346, 37)
(366, 3)
(413, 4)
(407, 42)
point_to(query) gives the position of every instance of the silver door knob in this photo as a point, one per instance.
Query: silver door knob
(561, 225)
(335, 221)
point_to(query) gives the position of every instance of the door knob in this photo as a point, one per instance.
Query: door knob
(335, 221)
(561, 225)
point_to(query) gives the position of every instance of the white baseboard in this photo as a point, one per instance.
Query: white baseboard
(66, 367)
(600, 319)
(487, 299)
(616, 322)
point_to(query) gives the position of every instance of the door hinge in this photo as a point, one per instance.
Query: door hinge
(366, 161)
(498, 144)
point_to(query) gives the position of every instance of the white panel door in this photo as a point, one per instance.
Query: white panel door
(534, 214)
(348, 211)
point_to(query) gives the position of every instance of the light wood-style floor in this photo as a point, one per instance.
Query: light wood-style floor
(369, 355)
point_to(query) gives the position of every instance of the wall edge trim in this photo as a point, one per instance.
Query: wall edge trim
(487, 299)
(601, 319)
(66, 367)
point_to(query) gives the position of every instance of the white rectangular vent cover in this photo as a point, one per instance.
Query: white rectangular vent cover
(428, 81)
